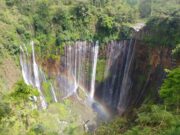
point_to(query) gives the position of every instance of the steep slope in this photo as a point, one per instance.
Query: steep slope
(9, 74)
(9, 46)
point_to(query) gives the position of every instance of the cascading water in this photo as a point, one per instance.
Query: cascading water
(30, 72)
(78, 72)
(53, 93)
(96, 49)
(36, 77)
(126, 81)
(117, 79)
(24, 66)
(79, 68)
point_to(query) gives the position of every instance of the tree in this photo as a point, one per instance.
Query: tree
(42, 18)
(176, 52)
(145, 8)
(81, 11)
(4, 110)
(170, 90)
(10, 2)
(132, 2)
(23, 92)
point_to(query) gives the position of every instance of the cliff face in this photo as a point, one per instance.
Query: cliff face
(148, 72)
(132, 70)
(145, 75)
(51, 66)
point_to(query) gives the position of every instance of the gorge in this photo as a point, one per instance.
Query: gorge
(89, 67)
(77, 72)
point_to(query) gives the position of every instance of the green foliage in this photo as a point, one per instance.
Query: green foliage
(100, 70)
(152, 119)
(107, 30)
(145, 8)
(47, 92)
(73, 130)
(62, 18)
(42, 22)
(139, 131)
(176, 52)
(166, 29)
(163, 23)
(170, 90)
(51, 25)
(22, 92)
(106, 23)
(20, 115)
(82, 11)
(10, 2)
(4, 110)
(71, 20)
(165, 7)
(114, 22)
(132, 2)
(112, 128)
(37, 129)
(155, 116)
(149, 120)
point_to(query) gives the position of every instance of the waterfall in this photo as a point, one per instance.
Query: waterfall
(24, 66)
(35, 69)
(53, 93)
(92, 91)
(114, 51)
(117, 76)
(36, 77)
(30, 71)
(78, 72)
(126, 82)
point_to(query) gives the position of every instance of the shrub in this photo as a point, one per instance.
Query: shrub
(22, 92)
(10, 2)
(176, 52)
(170, 90)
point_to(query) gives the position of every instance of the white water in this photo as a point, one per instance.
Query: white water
(23, 63)
(36, 76)
(96, 50)
(26, 66)
(78, 72)
(80, 68)
(75, 72)
(126, 82)
(118, 80)
(53, 93)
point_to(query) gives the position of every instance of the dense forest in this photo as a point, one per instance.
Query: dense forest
(53, 26)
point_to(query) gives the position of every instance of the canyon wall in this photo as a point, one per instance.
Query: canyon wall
(129, 70)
